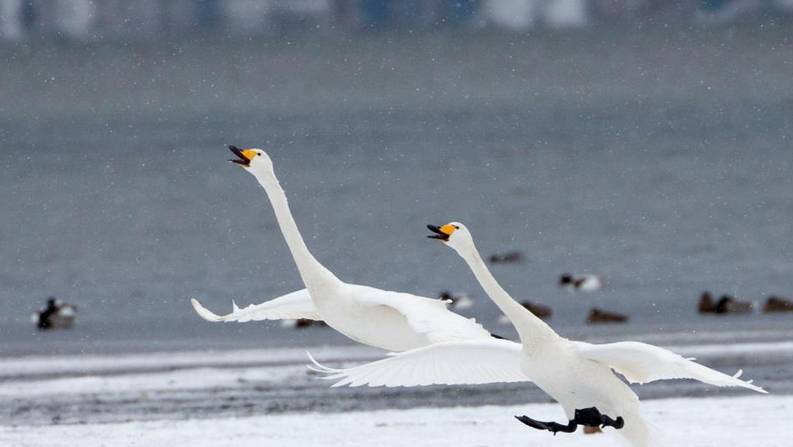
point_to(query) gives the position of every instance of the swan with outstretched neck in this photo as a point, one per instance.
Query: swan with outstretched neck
(580, 376)
(384, 319)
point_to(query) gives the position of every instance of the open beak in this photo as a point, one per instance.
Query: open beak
(243, 160)
(439, 233)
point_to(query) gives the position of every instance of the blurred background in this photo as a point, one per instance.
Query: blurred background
(647, 142)
(156, 19)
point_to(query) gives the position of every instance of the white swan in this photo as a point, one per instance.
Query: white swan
(388, 320)
(577, 375)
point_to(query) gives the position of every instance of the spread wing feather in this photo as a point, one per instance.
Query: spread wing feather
(643, 363)
(447, 363)
(291, 306)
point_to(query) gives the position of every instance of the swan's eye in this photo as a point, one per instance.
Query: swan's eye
(456, 227)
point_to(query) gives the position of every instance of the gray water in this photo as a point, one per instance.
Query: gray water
(660, 161)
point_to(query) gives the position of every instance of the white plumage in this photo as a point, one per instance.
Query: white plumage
(645, 363)
(288, 307)
(446, 363)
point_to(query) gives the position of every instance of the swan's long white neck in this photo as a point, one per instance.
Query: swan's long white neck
(314, 274)
(530, 328)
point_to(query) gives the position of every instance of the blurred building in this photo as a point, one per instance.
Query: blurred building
(524, 14)
(13, 19)
(153, 19)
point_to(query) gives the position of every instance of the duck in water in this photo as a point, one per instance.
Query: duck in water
(55, 315)
(581, 283)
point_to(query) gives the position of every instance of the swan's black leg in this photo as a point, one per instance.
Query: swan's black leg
(593, 417)
(588, 416)
(552, 427)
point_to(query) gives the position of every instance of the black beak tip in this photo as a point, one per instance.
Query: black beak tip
(241, 160)
(438, 233)
(435, 229)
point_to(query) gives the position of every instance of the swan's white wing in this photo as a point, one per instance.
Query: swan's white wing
(450, 363)
(424, 315)
(288, 307)
(643, 363)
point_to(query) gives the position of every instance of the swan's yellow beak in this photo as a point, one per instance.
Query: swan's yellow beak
(245, 155)
(441, 233)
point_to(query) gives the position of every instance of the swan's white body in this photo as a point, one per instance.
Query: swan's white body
(577, 375)
(388, 320)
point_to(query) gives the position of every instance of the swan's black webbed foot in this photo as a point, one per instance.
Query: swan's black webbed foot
(587, 416)
(593, 417)
(616, 423)
(552, 427)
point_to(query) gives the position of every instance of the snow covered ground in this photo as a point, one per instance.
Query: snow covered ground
(737, 421)
(267, 397)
